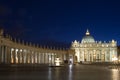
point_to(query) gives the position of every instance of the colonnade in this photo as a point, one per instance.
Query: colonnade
(28, 56)
(13, 52)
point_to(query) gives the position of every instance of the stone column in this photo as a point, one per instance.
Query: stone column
(104, 56)
(28, 56)
(43, 58)
(112, 54)
(109, 55)
(54, 56)
(100, 55)
(51, 57)
(73, 58)
(2, 54)
(35, 57)
(9, 55)
(13, 54)
(24, 56)
(18, 55)
(48, 58)
(85, 56)
(61, 58)
(97, 56)
(92, 56)
(65, 57)
(21, 57)
(82, 56)
(88, 55)
(39, 57)
(32, 56)
(5, 54)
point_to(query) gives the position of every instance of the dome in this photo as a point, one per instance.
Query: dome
(87, 38)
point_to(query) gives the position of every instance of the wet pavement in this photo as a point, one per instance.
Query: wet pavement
(68, 72)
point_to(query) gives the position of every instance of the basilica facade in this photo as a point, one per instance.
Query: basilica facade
(89, 50)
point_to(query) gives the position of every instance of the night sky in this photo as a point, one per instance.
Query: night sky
(60, 20)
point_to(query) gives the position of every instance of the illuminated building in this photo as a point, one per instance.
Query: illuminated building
(19, 52)
(89, 50)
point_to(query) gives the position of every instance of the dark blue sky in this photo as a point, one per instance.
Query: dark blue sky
(62, 21)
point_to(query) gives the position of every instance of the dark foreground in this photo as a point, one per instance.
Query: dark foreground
(67, 72)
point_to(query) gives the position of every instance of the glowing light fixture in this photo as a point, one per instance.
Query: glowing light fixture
(87, 33)
(114, 59)
(57, 62)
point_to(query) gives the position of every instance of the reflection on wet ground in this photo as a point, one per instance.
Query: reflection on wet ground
(68, 72)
